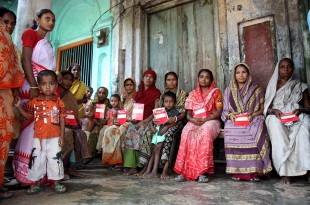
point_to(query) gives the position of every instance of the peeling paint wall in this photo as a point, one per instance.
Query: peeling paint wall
(131, 47)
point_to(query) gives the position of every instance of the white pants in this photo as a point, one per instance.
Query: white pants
(46, 160)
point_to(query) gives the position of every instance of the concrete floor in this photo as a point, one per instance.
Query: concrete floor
(104, 186)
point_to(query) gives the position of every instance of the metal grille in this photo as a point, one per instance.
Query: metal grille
(81, 55)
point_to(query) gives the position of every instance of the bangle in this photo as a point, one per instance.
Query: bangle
(34, 87)
(176, 119)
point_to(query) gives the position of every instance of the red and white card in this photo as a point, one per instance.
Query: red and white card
(199, 110)
(160, 115)
(121, 116)
(242, 119)
(100, 111)
(70, 118)
(137, 111)
(288, 117)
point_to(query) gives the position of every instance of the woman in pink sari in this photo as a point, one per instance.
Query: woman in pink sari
(37, 55)
(204, 107)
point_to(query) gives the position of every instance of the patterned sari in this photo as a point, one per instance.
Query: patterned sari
(290, 144)
(10, 77)
(113, 139)
(195, 155)
(246, 147)
(42, 59)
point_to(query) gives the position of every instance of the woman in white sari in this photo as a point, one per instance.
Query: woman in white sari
(290, 142)
(37, 55)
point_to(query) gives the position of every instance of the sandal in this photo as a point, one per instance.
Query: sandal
(255, 179)
(59, 189)
(34, 190)
(203, 179)
(235, 179)
(179, 178)
(5, 195)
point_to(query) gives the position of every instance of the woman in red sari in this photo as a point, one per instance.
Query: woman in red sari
(195, 155)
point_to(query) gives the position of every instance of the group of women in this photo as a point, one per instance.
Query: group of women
(190, 141)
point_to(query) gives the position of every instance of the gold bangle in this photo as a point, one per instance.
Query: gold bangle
(34, 87)
(176, 118)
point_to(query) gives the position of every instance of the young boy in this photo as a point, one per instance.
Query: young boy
(48, 113)
(169, 100)
(88, 122)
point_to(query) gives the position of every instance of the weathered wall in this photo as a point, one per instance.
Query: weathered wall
(131, 45)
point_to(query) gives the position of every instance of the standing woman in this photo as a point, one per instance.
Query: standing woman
(37, 55)
(195, 156)
(246, 147)
(170, 146)
(136, 137)
(10, 80)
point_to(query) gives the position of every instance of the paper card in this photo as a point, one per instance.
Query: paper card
(160, 115)
(70, 118)
(137, 111)
(99, 111)
(288, 117)
(242, 119)
(199, 110)
(110, 118)
(122, 116)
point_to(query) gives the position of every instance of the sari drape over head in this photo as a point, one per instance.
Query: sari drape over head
(290, 144)
(246, 147)
(195, 155)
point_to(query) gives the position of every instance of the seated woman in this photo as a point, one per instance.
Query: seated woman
(137, 140)
(290, 142)
(114, 135)
(173, 135)
(244, 96)
(204, 107)
(74, 139)
(78, 88)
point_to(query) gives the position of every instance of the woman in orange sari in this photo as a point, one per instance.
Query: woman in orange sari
(11, 78)
(204, 107)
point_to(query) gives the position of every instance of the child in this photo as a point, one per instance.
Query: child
(88, 122)
(169, 100)
(48, 113)
(115, 101)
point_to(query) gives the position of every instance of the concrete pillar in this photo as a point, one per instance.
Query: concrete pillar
(26, 10)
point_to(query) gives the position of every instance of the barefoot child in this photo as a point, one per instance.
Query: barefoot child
(88, 122)
(48, 113)
(169, 100)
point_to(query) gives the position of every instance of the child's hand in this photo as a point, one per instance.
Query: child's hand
(153, 128)
(61, 141)
(16, 102)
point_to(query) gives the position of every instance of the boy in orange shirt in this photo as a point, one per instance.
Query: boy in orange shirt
(48, 112)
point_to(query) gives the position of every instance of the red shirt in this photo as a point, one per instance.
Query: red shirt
(46, 114)
(30, 38)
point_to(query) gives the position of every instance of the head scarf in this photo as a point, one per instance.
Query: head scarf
(139, 94)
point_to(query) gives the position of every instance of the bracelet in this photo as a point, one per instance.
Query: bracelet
(176, 118)
(34, 87)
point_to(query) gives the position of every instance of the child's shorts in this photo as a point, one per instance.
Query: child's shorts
(156, 138)
(46, 160)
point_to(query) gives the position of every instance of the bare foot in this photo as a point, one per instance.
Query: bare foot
(164, 176)
(73, 172)
(286, 180)
(141, 172)
(132, 171)
(152, 176)
(145, 175)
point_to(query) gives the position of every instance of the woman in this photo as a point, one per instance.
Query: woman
(114, 135)
(137, 137)
(78, 88)
(75, 139)
(246, 147)
(290, 142)
(37, 55)
(170, 147)
(10, 80)
(195, 155)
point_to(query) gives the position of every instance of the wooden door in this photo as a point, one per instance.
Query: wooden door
(181, 39)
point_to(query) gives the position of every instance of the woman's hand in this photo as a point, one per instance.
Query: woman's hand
(198, 121)
(232, 117)
(276, 112)
(116, 122)
(34, 93)
(297, 112)
(156, 121)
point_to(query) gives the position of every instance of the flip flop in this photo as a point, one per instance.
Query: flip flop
(34, 190)
(255, 179)
(203, 179)
(179, 178)
(235, 179)
(59, 189)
